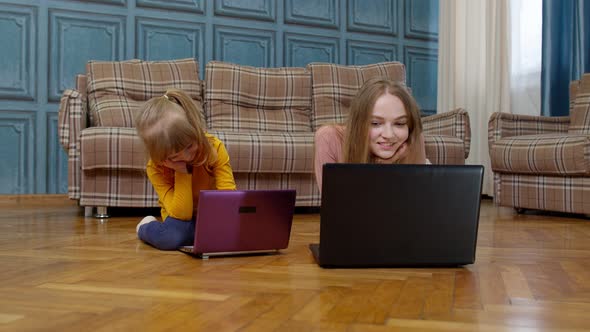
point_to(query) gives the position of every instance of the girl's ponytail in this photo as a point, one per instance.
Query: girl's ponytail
(194, 114)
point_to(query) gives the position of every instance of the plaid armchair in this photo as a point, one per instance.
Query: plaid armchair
(266, 118)
(543, 163)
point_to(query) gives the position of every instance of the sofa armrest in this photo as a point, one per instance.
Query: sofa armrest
(507, 125)
(453, 123)
(72, 119)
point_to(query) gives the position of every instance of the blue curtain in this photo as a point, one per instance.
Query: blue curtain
(566, 51)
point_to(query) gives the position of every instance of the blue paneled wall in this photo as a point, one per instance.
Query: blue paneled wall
(44, 43)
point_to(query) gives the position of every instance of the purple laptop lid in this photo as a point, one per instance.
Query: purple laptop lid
(243, 220)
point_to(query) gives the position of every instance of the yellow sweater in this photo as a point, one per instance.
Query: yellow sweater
(178, 193)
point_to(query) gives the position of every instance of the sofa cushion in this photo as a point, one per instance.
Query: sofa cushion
(250, 99)
(257, 152)
(547, 154)
(334, 86)
(116, 89)
(111, 148)
(580, 113)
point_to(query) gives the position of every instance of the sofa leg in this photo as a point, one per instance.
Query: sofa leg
(88, 211)
(520, 210)
(101, 212)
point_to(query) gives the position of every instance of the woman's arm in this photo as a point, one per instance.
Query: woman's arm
(328, 148)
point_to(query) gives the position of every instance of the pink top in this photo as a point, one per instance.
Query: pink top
(328, 149)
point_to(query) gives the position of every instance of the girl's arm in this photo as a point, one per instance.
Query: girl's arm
(174, 190)
(328, 148)
(222, 172)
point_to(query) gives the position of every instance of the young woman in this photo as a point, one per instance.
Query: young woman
(383, 126)
(184, 159)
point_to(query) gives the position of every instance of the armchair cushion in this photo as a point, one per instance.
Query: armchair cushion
(548, 154)
(334, 86)
(251, 99)
(117, 89)
(580, 113)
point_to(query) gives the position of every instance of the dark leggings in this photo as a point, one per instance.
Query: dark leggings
(168, 235)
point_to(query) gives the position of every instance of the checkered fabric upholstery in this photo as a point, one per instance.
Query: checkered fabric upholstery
(550, 154)
(112, 148)
(248, 99)
(117, 89)
(334, 86)
(447, 137)
(268, 152)
(540, 192)
(263, 116)
(543, 162)
(580, 111)
(72, 118)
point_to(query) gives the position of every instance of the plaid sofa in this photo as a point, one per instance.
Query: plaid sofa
(265, 116)
(543, 163)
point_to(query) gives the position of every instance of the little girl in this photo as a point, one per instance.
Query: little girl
(184, 159)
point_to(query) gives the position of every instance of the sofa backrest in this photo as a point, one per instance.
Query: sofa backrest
(334, 86)
(116, 89)
(252, 99)
(580, 113)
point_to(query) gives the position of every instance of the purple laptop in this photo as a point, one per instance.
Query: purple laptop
(230, 222)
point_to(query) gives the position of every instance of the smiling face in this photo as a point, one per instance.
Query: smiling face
(389, 126)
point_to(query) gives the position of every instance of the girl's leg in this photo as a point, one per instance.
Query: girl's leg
(168, 235)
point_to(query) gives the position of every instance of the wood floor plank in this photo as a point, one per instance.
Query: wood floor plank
(62, 271)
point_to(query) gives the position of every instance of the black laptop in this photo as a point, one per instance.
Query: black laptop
(398, 215)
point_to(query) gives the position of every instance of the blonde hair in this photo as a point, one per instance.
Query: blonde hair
(356, 142)
(170, 123)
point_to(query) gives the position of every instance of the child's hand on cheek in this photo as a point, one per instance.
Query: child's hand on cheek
(178, 166)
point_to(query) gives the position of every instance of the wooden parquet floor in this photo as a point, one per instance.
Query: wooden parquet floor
(60, 271)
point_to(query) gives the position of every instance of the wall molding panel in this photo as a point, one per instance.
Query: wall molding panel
(46, 43)
(420, 61)
(257, 9)
(300, 48)
(165, 39)
(111, 2)
(77, 37)
(362, 53)
(422, 19)
(324, 13)
(17, 152)
(194, 6)
(57, 160)
(18, 70)
(376, 16)
(245, 46)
